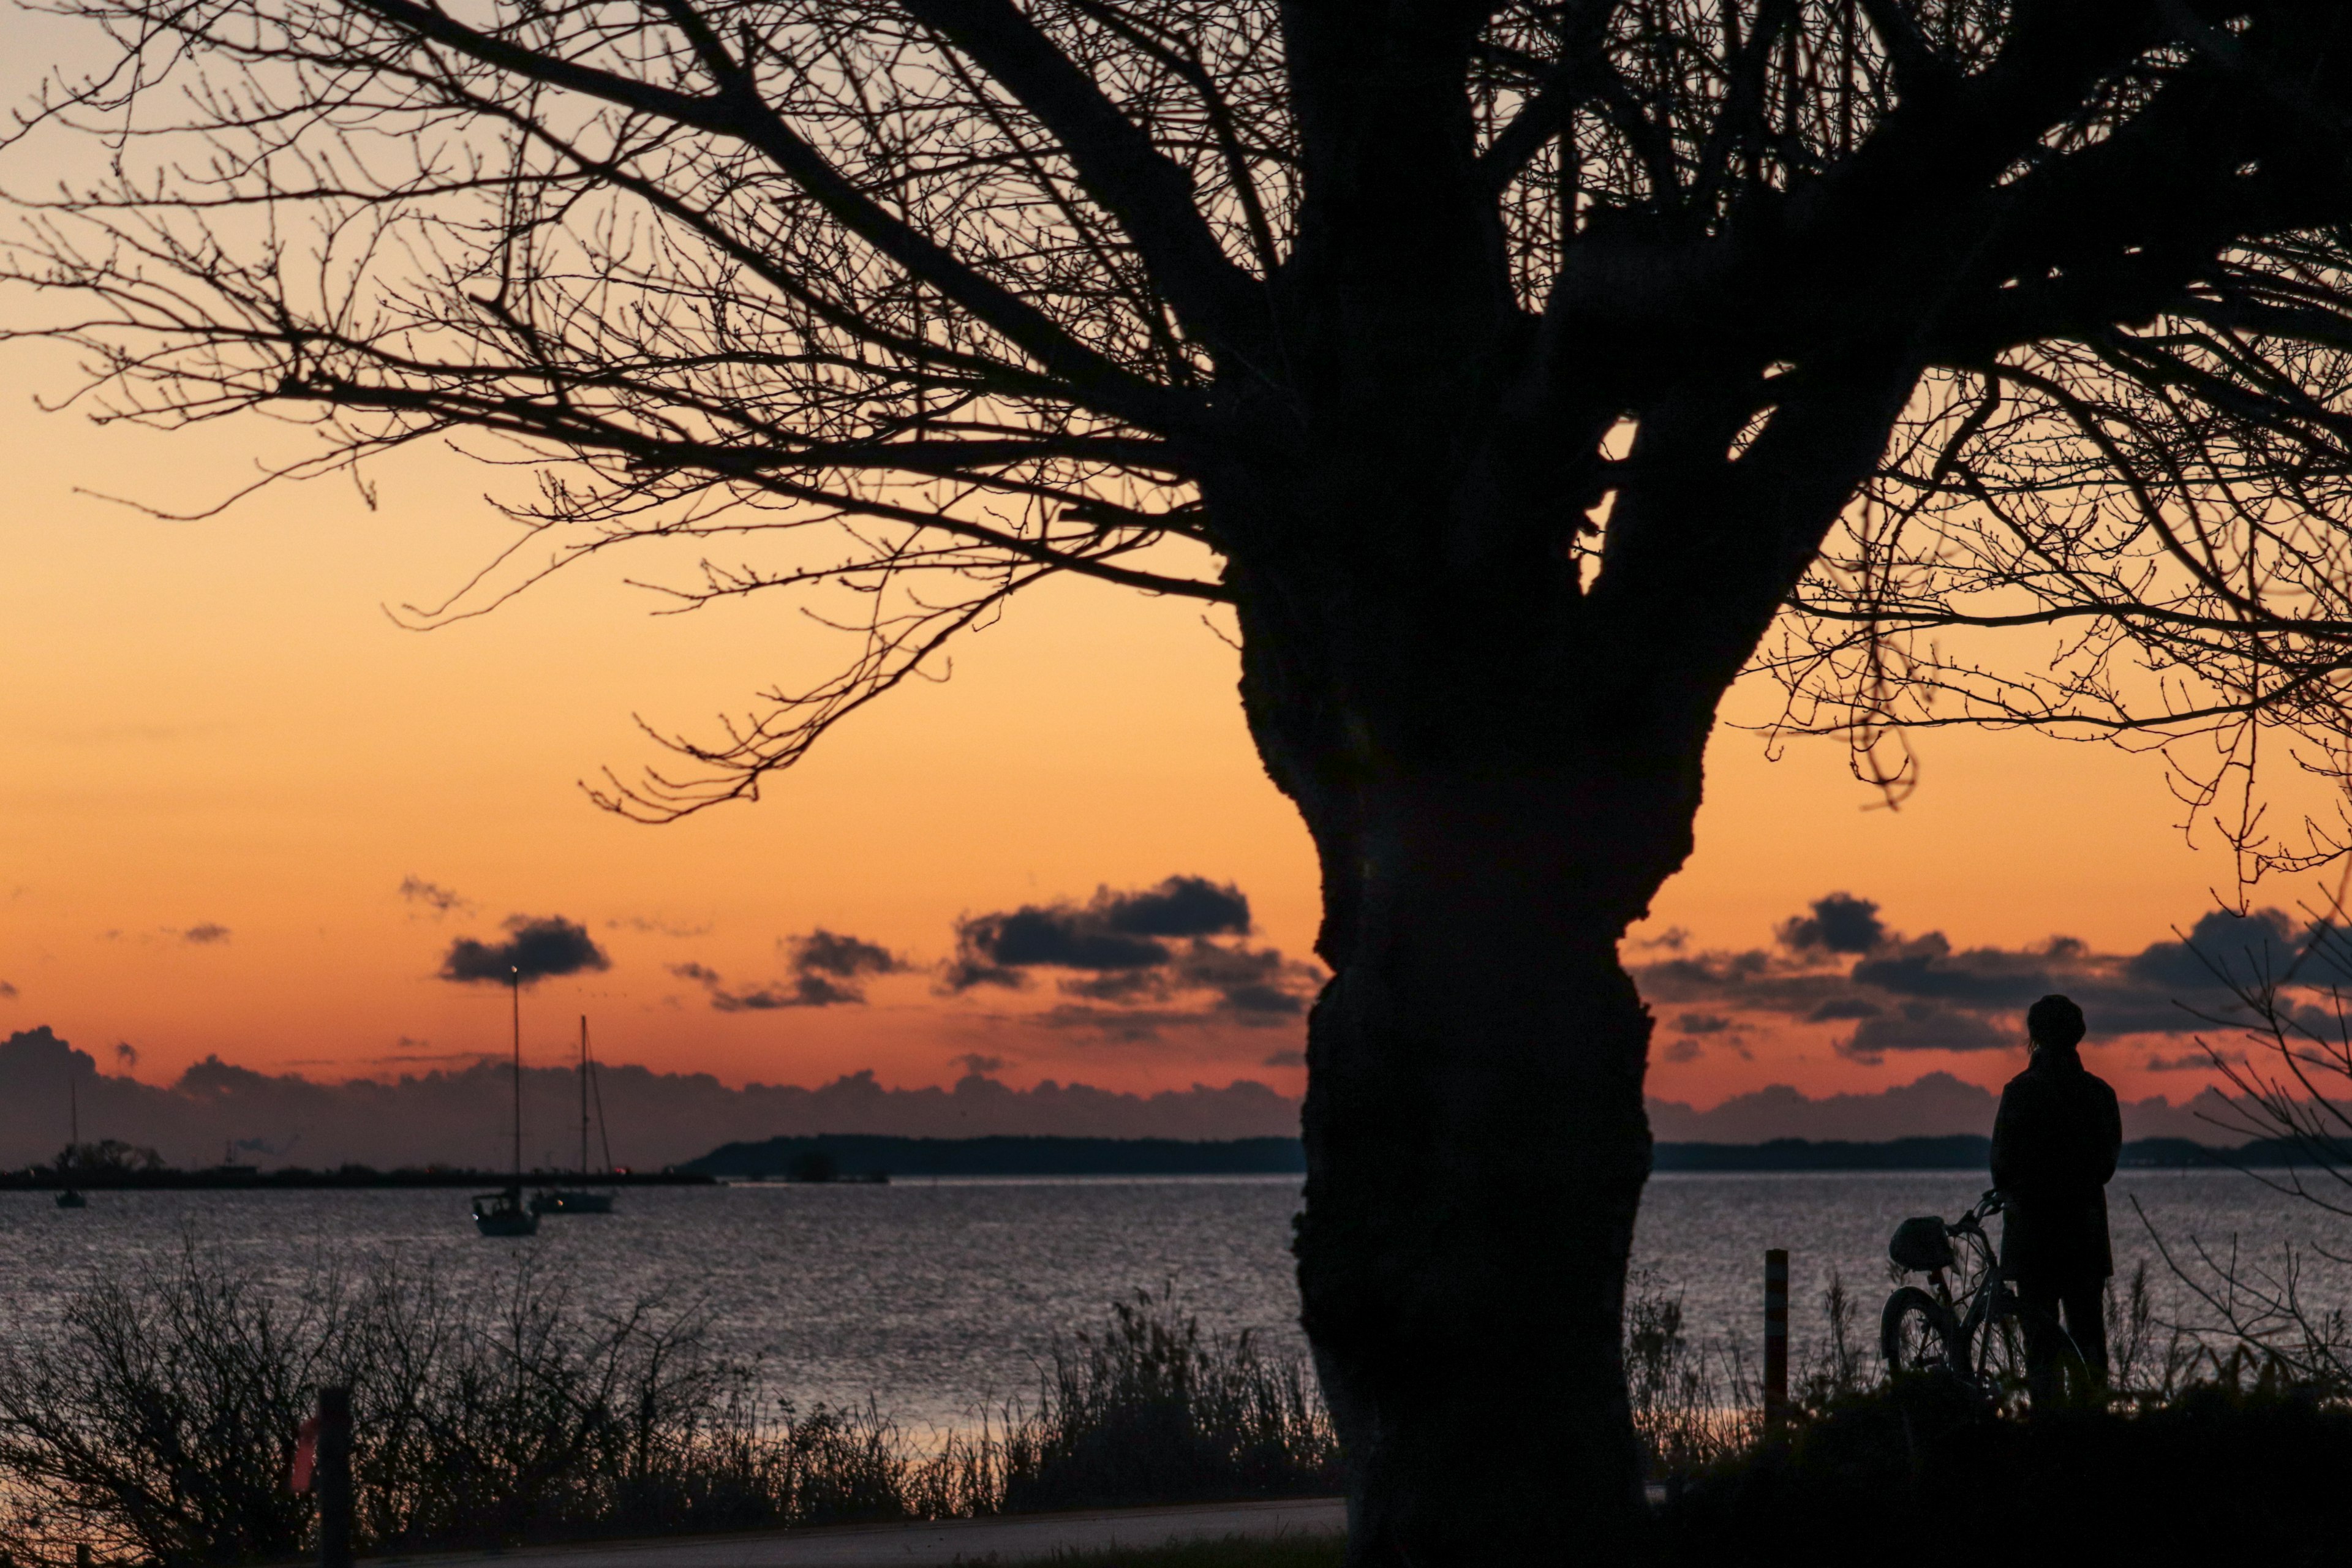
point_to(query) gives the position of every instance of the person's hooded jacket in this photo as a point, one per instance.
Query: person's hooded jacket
(2054, 1143)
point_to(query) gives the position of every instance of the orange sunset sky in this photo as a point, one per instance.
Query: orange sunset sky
(223, 760)
(214, 724)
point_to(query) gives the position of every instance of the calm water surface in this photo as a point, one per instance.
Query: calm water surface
(935, 1299)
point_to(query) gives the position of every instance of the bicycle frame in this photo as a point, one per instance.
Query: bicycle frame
(1989, 1302)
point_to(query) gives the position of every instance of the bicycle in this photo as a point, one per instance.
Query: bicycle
(1976, 1334)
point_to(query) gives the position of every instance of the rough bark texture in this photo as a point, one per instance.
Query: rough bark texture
(1476, 1153)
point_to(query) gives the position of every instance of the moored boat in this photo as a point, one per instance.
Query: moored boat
(582, 1199)
(502, 1213)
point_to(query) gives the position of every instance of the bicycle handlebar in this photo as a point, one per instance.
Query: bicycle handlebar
(1993, 1202)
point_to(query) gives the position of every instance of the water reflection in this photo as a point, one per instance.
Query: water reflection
(935, 1298)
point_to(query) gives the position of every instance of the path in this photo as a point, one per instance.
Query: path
(1020, 1539)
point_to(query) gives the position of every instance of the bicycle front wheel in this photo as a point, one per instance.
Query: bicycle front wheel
(1916, 1334)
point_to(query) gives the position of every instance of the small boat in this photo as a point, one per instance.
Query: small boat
(580, 1199)
(71, 1199)
(502, 1213)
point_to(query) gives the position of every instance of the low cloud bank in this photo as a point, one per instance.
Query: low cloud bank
(459, 1116)
(1933, 1104)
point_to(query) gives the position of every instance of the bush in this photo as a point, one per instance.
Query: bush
(158, 1425)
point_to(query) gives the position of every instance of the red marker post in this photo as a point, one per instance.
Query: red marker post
(1776, 1336)
(322, 1466)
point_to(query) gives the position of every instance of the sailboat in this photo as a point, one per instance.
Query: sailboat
(68, 1198)
(502, 1213)
(579, 1200)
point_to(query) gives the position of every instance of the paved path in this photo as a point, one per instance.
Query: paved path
(1029, 1538)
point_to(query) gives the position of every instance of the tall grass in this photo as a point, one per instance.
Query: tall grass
(1151, 1411)
(158, 1425)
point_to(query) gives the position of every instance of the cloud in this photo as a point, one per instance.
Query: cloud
(1704, 1024)
(826, 952)
(1285, 1059)
(441, 900)
(7, 991)
(1684, 1049)
(1111, 932)
(2246, 950)
(978, 1065)
(1838, 923)
(826, 968)
(2187, 1061)
(1180, 906)
(1923, 1026)
(649, 925)
(1840, 963)
(1136, 962)
(535, 949)
(207, 934)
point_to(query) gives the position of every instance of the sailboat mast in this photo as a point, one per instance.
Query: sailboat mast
(73, 1109)
(596, 1084)
(584, 1097)
(515, 975)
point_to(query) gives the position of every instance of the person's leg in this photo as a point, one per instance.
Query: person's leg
(2087, 1321)
(2040, 1314)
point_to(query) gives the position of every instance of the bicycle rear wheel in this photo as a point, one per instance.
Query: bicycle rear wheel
(1917, 1335)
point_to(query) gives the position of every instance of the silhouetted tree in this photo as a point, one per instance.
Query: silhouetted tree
(1508, 370)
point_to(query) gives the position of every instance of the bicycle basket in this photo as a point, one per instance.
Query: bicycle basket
(1921, 1245)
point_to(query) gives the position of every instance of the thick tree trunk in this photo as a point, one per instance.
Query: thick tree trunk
(1477, 1149)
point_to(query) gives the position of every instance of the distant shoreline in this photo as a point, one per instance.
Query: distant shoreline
(245, 1179)
(862, 1154)
(865, 1156)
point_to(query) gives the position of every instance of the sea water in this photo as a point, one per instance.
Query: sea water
(941, 1298)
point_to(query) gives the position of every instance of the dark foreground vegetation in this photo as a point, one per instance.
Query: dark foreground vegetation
(2245, 1472)
(156, 1425)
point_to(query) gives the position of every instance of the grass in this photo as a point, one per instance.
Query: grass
(158, 1426)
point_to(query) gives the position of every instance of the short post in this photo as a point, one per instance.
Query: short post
(332, 1478)
(1776, 1336)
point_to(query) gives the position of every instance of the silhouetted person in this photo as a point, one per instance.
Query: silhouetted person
(2054, 1142)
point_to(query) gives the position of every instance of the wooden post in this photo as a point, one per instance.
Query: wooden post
(331, 1480)
(1776, 1336)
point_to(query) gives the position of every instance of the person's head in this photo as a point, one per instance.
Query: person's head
(2054, 1023)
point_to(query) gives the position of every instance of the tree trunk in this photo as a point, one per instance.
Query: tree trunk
(1477, 1149)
